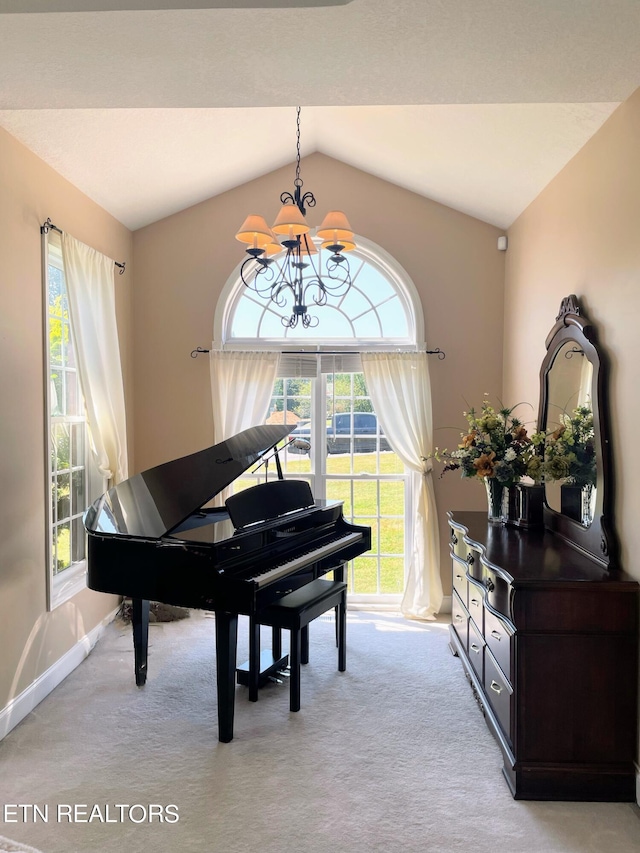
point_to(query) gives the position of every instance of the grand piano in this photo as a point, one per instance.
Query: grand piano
(154, 537)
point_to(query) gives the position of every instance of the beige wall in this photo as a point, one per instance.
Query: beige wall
(31, 639)
(582, 235)
(183, 262)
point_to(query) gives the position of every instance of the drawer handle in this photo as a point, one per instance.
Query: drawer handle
(495, 687)
(459, 577)
(475, 602)
(489, 585)
(454, 538)
(475, 648)
(470, 559)
(458, 617)
(496, 635)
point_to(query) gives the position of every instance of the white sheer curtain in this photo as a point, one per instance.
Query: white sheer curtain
(400, 391)
(241, 385)
(92, 309)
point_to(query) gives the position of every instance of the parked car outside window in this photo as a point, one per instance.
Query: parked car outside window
(344, 430)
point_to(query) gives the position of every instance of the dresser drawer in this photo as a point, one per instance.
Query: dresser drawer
(476, 650)
(474, 566)
(475, 605)
(459, 547)
(498, 591)
(499, 693)
(460, 619)
(499, 638)
(460, 579)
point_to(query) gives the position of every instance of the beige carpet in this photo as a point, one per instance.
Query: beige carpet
(391, 756)
(8, 846)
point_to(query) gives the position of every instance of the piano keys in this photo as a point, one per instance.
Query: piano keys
(154, 537)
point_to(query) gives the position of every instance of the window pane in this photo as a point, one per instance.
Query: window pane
(365, 497)
(365, 575)
(77, 540)
(246, 318)
(56, 394)
(78, 500)
(62, 540)
(69, 352)
(394, 319)
(392, 498)
(56, 327)
(77, 444)
(340, 490)
(271, 325)
(391, 535)
(61, 445)
(56, 289)
(391, 574)
(72, 402)
(296, 463)
(298, 387)
(54, 500)
(63, 494)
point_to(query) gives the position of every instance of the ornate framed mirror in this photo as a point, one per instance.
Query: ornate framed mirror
(578, 500)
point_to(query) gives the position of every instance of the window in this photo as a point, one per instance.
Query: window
(342, 452)
(72, 481)
(381, 309)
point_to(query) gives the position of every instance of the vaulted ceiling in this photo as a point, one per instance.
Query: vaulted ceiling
(474, 103)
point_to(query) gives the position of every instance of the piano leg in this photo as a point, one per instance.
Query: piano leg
(226, 648)
(254, 658)
(296, 649)
(140, 622)
(276, 642)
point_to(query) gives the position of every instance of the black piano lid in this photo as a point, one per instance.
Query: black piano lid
(153, 503)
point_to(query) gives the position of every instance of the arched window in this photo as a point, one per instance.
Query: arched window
(381, 310)
(323, 392)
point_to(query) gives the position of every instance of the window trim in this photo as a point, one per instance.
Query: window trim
(63, 586)
(366, 250)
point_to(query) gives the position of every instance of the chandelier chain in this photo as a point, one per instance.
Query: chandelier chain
(298, 182)
(297, 278)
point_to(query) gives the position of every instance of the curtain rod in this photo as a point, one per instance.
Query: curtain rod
(48, 225)
(441, 355)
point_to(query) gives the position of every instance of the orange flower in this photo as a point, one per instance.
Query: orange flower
(520, 434)
(484, 464)
(556, 435)
(469, 439)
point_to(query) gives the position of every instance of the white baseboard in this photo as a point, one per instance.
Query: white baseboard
(18, 708)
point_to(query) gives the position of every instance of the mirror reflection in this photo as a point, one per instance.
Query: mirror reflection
(570, 455)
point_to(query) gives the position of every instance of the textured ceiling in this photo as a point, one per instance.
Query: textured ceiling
(476, 103)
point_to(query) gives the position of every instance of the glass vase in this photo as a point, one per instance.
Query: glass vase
(497, 500)
(587, 512)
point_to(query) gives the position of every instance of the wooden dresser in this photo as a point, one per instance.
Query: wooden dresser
(549, 643)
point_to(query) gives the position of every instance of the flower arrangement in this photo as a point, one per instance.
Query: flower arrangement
(569, 451)
(496, 446)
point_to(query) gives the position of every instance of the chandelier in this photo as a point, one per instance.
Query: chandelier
(304, 274)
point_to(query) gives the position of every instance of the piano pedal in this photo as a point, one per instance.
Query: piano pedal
(285, 673)
(275, 680)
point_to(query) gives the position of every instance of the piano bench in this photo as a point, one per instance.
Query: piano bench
(293, 612)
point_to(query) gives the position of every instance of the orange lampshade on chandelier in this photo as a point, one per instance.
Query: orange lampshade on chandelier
(303, 274)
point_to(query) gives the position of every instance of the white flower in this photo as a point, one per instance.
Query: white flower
(510, 454)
